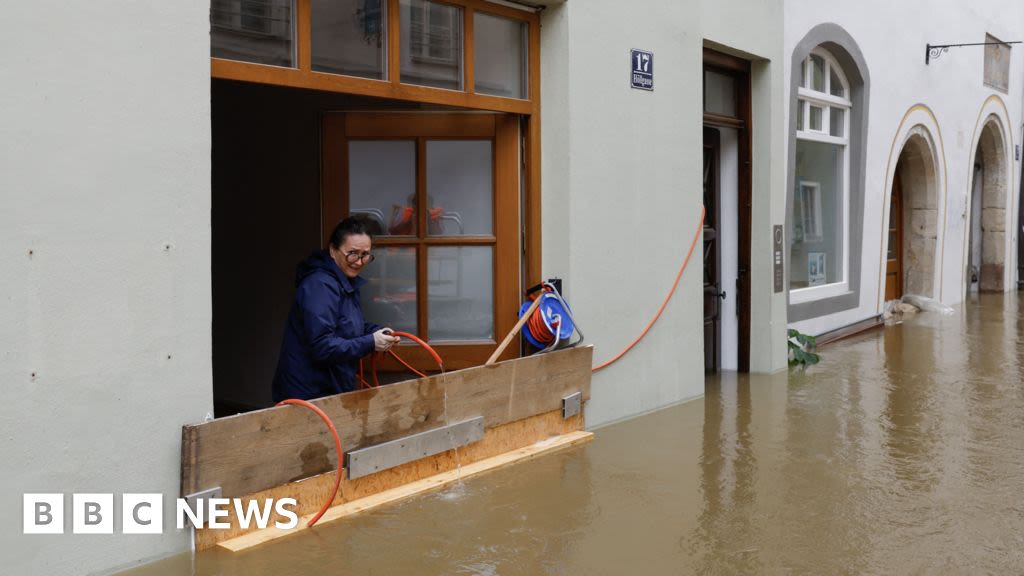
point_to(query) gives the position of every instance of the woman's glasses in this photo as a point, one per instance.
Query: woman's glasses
(353, 257)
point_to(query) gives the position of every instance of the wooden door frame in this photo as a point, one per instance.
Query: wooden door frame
(503, 130)
(739, 69)
(303, 75)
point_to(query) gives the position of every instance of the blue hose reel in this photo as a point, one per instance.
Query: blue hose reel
(557, 319)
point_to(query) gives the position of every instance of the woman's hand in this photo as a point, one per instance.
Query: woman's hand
(383, 340)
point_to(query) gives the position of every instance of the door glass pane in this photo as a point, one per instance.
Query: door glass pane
(461, 292)
(815, 119)
(389, 295)
(258, 31)
(382, 184)
(835, 85)
(719, 93)
(817, 251)
(817, 73)
(460, 187)
(499, 55)
(349, 37)
(431, 44)
(801, 109)
(836, 123)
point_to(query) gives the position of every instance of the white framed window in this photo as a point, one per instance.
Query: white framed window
(819, 253)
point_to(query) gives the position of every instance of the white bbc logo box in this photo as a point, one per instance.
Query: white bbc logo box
(93, 513)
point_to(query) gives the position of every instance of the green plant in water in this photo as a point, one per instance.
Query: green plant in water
(800, 346)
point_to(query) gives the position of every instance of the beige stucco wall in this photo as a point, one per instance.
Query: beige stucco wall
(105, 251)
(622, 174)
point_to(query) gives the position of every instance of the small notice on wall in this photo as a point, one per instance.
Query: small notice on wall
(641, 64)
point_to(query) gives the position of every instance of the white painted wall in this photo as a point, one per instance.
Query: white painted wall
(892, 37)
(622, 184)
(105, 250)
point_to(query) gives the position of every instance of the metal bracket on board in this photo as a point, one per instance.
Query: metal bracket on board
(571, 405)
(194, 501)
(402, 450)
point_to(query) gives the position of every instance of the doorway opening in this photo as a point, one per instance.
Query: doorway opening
(727, 222)
(326, 109)
(986, 252)
(913, 220)
(287, 167)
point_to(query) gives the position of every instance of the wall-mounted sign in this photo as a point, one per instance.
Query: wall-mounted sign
(777, 264)
(641, 75)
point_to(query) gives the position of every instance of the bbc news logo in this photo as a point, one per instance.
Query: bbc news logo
(144, 513)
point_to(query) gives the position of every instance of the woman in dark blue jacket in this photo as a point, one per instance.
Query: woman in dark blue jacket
(326, 334)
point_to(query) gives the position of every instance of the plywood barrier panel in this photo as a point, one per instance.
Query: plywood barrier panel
(310, 493)
(252, 452)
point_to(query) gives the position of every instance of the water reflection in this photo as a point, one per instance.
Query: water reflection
(902, 453)
(914, 379)
(728, 469)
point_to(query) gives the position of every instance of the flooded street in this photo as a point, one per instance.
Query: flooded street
(901, 453)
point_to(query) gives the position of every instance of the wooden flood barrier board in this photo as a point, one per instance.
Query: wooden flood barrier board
(519, 455)
(266, 453)
(501, 446)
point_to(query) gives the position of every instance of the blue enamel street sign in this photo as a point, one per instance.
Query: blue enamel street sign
(641, 74)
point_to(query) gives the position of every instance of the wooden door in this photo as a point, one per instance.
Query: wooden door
(738, 117)
(894, 256)
(443, 193)
(712, 258)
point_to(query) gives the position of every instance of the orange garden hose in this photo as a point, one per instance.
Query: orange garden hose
(363, 383)
(337, 450)
(425, 346)
(330, 425)
(696, 236)
(536, 322)
(406, 364)
(540, 331)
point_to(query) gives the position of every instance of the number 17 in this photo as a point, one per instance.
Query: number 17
(643, 61)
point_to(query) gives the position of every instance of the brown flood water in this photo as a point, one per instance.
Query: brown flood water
(902, 453)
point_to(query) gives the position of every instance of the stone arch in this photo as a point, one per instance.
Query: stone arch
(917, 161)
(987, 209)
(917, 170)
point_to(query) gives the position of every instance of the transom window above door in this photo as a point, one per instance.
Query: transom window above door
(467, 53)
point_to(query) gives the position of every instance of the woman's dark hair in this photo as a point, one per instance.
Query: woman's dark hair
(354, 225)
